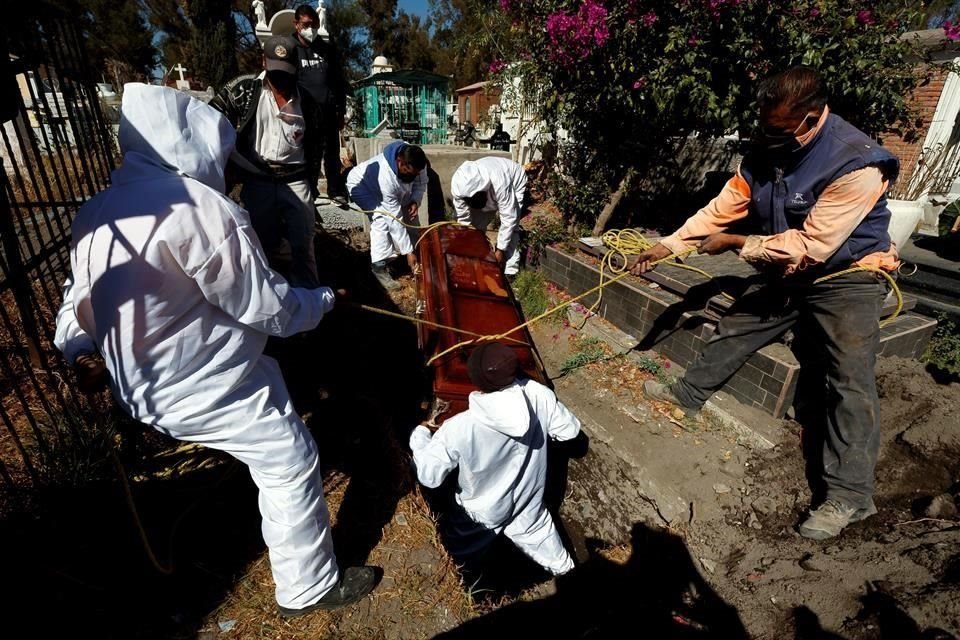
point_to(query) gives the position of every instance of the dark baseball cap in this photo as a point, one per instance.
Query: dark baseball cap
(281, 54)
(492, 366)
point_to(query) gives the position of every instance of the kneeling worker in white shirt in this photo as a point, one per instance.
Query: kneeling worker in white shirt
(389, 188)
(500, 446)
(484, 188)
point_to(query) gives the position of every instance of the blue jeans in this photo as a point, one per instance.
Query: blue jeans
(840, 317)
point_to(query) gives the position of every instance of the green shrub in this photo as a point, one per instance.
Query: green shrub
(541, 232)
(530, 289)
(943, 352)
(586, 351)
(74, 453)
(627, 82)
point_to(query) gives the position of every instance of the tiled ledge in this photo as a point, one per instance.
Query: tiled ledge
(679, 329)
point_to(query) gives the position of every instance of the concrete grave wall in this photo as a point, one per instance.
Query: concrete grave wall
(444, 160)
(663, 321)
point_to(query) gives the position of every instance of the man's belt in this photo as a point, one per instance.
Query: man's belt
(269, 171)
(286, 172)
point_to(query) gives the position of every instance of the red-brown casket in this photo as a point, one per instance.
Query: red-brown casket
(462, 286)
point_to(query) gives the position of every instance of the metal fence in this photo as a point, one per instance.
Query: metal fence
(56, 152)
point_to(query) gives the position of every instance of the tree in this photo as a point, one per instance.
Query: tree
(346, 21)
(411, 46)
(464, 38)
(627, 110)
(118, 37)
(212, 41)
(381, 20)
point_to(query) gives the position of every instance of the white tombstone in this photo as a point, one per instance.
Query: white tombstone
(281, 24)
(381, 65)
(260, 11)
(322, 26)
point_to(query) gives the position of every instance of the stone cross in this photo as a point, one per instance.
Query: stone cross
(179, 69)
(181, 83)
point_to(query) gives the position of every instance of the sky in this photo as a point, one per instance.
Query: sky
(417, 7)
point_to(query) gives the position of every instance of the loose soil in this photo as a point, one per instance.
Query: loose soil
(738, 569)
(681, 530)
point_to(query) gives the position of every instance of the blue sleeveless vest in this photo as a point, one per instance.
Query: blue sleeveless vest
(783, 189)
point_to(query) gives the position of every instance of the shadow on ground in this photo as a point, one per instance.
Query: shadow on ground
(656, 593)
(74, 565)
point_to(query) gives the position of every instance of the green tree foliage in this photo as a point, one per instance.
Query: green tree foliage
(118, 32)
(462, 39)
(213, 41)
(346, 22)
(628, 80)
(381, 24)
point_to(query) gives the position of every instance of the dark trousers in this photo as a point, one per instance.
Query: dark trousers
(840, 318)
(332, 169)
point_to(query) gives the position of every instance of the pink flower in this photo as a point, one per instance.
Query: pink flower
(497, 66)
(505, 5)
(951, 30)
(640, 83)
(574, 37)
(864, 17)
(693, 40)
(814, 12)
(649, 18)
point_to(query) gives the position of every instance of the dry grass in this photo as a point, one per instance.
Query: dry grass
(57, 177)
(420, 594)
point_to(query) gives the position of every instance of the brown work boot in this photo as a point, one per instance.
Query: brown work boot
(654, 390)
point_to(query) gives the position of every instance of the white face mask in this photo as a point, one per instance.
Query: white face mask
(308, 34)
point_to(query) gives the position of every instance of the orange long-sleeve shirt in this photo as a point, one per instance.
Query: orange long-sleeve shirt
(839, 210)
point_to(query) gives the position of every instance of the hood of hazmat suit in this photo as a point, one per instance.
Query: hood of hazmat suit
(499, 445)
(505, 411)
(468, 180)
(505, 183)
(170, 283)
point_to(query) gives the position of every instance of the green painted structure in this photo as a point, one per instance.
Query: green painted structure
(412, 102)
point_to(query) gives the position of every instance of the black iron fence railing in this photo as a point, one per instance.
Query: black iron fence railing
(56, 152)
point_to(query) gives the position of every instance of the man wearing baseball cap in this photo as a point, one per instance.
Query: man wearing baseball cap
(277, 157)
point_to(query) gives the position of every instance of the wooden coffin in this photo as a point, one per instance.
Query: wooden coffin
(462, 286)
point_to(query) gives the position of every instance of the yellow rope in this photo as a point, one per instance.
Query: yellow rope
(550, 312)
(622, 243)
(425, 230)
(626, 242)
(435, 325)
(890, 280)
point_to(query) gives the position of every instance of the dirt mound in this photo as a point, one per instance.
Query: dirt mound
(924, 415)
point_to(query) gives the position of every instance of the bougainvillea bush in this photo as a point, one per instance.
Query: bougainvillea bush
(629, 80)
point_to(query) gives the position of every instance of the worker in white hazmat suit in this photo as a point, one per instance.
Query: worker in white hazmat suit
(171, 286)
(389, 188)
(484, 188)
(500, 446)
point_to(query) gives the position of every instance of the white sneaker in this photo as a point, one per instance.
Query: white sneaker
(830, 518)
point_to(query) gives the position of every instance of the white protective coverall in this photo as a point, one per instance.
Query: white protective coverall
(172, 287)
(374, 185)
(500, 445)
(506, 185)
